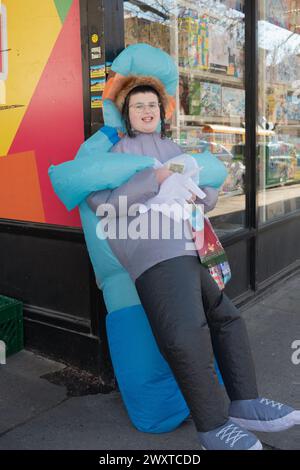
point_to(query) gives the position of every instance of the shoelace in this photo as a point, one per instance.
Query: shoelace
(274, 404)
(231, 433)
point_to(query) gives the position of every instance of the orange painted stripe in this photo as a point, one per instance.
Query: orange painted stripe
(20, 196)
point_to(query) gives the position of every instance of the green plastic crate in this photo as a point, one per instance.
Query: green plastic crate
(11, 324)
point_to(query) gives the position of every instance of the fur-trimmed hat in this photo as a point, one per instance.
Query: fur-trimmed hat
(141, 64)
(133, 81)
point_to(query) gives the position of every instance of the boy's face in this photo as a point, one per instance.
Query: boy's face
(144, 112)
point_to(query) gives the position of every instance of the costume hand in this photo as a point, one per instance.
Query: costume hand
(193, 188)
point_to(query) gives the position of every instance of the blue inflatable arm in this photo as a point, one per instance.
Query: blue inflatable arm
(213, 172)
(73, 181)
(94, 168)
(141, 59)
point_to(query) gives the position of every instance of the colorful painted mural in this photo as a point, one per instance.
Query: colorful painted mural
(41, 105)
(3, 53)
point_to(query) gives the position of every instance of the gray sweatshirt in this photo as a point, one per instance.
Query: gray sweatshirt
(138, 255)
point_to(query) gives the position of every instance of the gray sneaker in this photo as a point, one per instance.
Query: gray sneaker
(263, 414)
(230, 436)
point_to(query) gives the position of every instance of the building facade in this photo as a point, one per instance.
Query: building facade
(238, 98)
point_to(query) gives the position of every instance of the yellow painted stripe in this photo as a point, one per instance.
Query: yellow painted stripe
(33, 27)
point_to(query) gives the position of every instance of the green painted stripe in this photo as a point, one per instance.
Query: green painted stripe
(63, 6)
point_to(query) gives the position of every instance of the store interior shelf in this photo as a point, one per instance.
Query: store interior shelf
(233, 121)
(217, 77)
(289, 125)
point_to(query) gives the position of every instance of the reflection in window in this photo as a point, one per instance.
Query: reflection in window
(206, 40)
(279, 108)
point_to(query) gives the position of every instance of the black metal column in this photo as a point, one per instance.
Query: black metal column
(251, 71)
(113, 28)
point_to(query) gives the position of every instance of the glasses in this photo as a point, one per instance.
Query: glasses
(141, 107)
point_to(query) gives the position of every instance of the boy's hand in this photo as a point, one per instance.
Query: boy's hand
(193, 198)
(162, 174)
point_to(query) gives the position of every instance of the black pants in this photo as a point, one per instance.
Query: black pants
(192, 320)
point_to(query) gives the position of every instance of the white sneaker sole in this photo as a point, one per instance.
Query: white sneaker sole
(276, 425)
(256, 446)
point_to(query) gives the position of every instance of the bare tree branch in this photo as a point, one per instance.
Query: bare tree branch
(147, 8)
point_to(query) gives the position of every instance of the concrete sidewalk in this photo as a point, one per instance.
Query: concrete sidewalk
(36, 414)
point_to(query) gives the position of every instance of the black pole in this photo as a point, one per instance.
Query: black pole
(251, 81)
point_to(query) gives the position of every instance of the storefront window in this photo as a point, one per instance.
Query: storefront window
(207, 41)
(278, 108)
